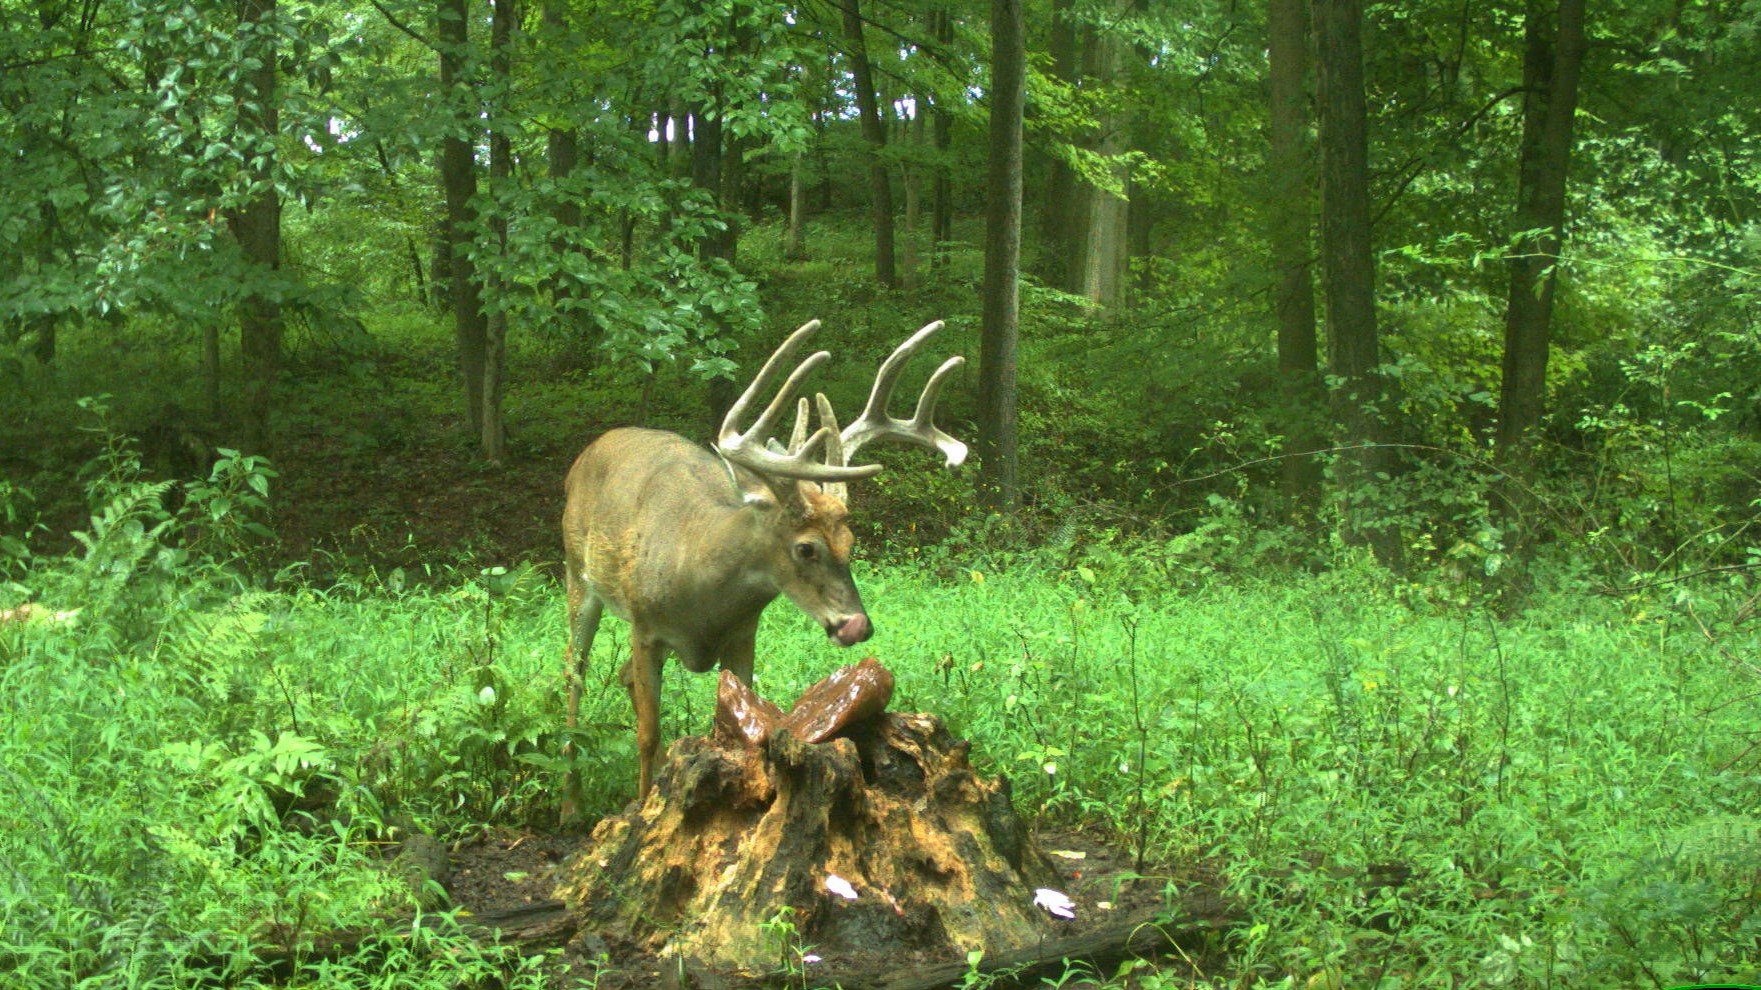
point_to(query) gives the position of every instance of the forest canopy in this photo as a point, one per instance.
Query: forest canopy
(1442, 279)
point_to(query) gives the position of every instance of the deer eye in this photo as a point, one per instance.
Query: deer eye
(806, 551)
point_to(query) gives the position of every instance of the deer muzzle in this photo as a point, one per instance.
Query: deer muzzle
(853, 630)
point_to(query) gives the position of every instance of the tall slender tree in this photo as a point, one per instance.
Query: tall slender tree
(501, 32)
(1553, 53)
(999, 465)
(941, 130)
(1100, 243)
(1062, 216)
(875, 133)
(458, 180)
(257, 223)
(562, 154)
(1289, 234)
(1348, 267)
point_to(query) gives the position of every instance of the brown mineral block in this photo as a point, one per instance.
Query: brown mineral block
(849, 696)
(742, 717)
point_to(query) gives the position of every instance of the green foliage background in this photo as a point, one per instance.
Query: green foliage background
(232, 680)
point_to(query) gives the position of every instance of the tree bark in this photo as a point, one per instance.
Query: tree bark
(494, 429)
(257, 224)
(211, 370)
(874, 132)
(796, 248)
(733, 181)
(941, 135)
(1552, 59)
(1099, 231)
(998, 481)
(707, 163)
(562, 152)
(1290, 239)
(706, 169)
(1064, 209)
(458, 179)
(1347, 264)
(911, 132)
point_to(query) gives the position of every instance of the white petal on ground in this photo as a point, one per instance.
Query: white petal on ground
(1055, 903)
(839, 886)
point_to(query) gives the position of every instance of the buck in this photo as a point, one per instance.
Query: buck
(689, 544)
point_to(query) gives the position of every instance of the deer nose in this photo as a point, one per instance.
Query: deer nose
(854, 630)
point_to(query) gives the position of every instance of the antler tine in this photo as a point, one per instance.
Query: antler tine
(923, 420)
(730, 422)
(749, 447)
(767, 420)
(889, 373)
(920, 429)
(835, 454)
(798, 437)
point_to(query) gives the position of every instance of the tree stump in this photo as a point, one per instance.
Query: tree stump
(881, 840)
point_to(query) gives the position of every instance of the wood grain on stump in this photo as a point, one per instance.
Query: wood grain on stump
(755, 819)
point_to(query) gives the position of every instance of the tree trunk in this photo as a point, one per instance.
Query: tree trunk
(418, 278)
(1348, 267)
(912, 132)
(494, 429)
(257, 224)
(458, 179)
(874, 132)
(1290, 239)
(679, 147)
(562, 152)
(706, 173)
(211, 370)
(1101, 244)
(831, 98)
(1553, 56)
(41, 327)
(706, 170)
(733, 181)
(942, 122)
(754, 818)
(796, 249)
(440, 268)
(1063, 211)
(998, 482)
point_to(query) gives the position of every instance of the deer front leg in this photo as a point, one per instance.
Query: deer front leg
(641, 678)
(737, 651)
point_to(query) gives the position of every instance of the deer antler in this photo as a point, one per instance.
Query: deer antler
(920, 429)
(749, 448)
(835, 446)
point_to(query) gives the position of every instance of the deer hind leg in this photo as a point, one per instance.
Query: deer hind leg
(641, 677)
(584, 614)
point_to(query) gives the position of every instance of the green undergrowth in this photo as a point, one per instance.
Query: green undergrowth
(199, 771)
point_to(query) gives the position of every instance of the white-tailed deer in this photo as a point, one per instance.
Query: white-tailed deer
(688, 544)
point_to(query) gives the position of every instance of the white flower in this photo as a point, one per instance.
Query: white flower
(1055, 903)
(839, 886)
(810, 958)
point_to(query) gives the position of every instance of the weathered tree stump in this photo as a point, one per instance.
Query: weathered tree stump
(755, 820)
